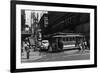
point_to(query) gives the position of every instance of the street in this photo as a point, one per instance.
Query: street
(58, 56)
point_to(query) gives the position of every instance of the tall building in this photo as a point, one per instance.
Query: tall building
(22, 19)
(44, 24)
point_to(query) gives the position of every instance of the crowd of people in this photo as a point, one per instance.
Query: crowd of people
(82, 44)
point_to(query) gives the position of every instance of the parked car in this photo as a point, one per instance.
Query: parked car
(45, 45)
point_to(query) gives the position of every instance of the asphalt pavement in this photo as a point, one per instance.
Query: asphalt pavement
(67, 55)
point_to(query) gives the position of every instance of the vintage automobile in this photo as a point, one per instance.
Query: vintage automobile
(45, 45)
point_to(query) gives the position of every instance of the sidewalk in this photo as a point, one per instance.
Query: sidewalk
(32, 56)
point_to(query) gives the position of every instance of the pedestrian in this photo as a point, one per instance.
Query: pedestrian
(88, 44)
(60, 45)
(82, 46)
(54, 46)
(85, 45)
(27, 49)
(32, 42)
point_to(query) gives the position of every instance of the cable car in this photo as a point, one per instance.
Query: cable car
(68, 40)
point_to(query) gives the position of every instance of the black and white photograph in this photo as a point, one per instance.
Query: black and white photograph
(54, 36)
(50, 36)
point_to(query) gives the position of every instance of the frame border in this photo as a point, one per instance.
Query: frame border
(13, 36)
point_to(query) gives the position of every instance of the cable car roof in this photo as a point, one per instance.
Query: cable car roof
(68, 36)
